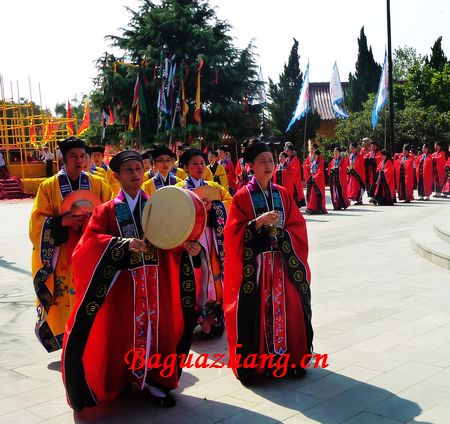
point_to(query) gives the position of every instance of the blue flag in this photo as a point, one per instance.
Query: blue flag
(337, 94)
(383, 92)
(303, 100)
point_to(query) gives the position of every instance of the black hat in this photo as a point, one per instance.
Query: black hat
(407, 146)
(289, 145)
(224, 148)
(161, 149)
(71, 143)
(146, 154)
(374, 142)
(122, 157)
(254, 150)
(189, 154)
(338, 148)
(98, 149)
(88, 150)
(317, 152)
(181, 147)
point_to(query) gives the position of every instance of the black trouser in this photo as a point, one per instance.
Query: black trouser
(49, 167)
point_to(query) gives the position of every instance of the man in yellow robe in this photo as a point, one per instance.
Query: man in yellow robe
(54, 237)
(98, 153)
(217, 170)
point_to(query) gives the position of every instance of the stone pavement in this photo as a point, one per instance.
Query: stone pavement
(380, 311)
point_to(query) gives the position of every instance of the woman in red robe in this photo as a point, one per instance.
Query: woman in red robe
(294, 167)
(446, 188)
(267, 277)
(424, 173)
(356, 175)
(439, 160)
(129, 300)
(315, 186)
(404, 175)
(371, 161)
(337, 170)
(282, 176)
(385, 186)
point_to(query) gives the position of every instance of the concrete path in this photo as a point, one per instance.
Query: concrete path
(380, 311)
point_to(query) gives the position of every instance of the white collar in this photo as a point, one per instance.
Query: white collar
(197, 183)
(131, 202)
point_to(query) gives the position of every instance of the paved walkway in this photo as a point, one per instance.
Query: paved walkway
(380, 312)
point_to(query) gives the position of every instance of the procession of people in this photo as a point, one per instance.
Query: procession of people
(106, 290)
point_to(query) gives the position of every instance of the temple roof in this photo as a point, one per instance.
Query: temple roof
(320, 98)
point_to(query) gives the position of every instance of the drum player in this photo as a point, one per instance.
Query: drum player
(126, 291)
(54, 237)
(209, 277)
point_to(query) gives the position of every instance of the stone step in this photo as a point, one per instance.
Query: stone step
(441, 225)
(427, 243)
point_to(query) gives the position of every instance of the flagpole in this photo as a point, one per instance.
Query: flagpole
(304, 137)
(391, 87)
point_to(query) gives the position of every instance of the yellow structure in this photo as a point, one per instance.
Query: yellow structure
(23, 133)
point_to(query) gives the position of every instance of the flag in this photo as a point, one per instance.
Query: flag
(303, 100)
(105, 122)
(198, 104)
(383, 92)
(162, 107)
(111, 115)
(336, 93)
(184, 106)
(86, 122)
(32, 133)
(260, 97)
(48, 132)
(69, 125)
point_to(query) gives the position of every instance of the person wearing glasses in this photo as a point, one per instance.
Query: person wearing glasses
(164, 160)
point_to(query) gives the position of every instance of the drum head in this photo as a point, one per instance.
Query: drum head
(168, 217)
(84, 201)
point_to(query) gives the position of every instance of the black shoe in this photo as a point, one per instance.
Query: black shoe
(358, 203)
(297, 372)
(164, 402)
(126, 390)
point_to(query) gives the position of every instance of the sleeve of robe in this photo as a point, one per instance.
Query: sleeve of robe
(241, 214)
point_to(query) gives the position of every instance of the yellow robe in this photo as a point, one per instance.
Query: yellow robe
(225, 197)
(148, 187)
(58, 280)
(220, 172)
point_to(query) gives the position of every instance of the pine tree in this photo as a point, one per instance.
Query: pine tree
(437, 59)
(366, 76)
(183, 32)
(284, 96)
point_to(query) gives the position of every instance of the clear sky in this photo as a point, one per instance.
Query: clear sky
(55, 42)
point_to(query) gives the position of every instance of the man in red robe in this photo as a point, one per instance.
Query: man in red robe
(129, 302)
(294, 167)
(282, 176)
(243, 172)
(225, 161)
(371, 161)
(267, 278)
(439, 168)
(424, 174)
(385, 186)
(356, 175)
(309, 160)
(315, 186)
(337, 170)
(404, 174)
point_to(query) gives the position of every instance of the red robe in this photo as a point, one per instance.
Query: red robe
(294, 167)
(371, 161)
(424, 174)
(385, 185)
(283, 177)
(315, 189)
(404, 177)
(229, 169)
(243, 173)
(101, 331)
(356, 183)
(306, 167)
(242, 282)
(338, 184)
(446, 188)
(439, 170)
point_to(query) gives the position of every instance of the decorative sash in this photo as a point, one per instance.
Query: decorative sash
(358, 178)
(249, 294)
(159, 181)
(42, 330)
(145, 279)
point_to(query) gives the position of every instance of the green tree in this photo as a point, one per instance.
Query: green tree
(366, 77)
(284, 97)
(405, 58)
(182, 31)
(437, 59)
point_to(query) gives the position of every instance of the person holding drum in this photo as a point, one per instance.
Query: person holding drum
(54, 235)
(133, 301)
(267, 278)
(210, 275)
(164, 159)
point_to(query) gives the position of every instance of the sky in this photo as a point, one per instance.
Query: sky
(56, 42)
